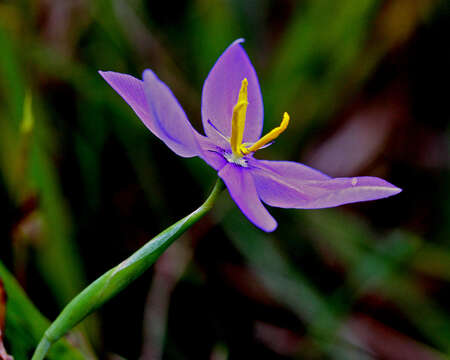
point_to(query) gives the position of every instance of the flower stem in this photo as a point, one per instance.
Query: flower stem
(42, 348)
(119, 277)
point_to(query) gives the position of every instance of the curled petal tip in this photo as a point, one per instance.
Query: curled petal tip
(269, 229)
(149, 75)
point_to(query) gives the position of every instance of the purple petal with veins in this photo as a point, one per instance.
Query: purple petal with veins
(220, 94)
(278, 186)
(159, 110)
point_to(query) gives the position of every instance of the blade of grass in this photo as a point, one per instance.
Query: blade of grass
(25, 324)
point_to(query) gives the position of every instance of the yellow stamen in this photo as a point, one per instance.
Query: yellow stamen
(238, 120)
(272, 135)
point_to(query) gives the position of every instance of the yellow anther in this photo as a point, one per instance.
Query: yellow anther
(238, 120)
(272, 135)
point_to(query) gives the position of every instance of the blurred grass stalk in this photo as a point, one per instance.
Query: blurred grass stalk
(27, 147)
(384, 267)
(373, 267)
(331, 48)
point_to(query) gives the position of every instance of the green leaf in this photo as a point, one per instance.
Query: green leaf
(25, 324)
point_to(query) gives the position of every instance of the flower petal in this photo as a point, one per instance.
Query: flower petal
(159, 110)
(276, 187)
(289, 169)
(242, 189)
(220, 94)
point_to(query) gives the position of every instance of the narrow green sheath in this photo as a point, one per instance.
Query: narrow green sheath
(119, 277)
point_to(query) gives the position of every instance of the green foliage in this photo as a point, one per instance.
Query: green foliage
(25, 325)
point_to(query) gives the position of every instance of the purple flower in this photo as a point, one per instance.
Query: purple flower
(232, 115)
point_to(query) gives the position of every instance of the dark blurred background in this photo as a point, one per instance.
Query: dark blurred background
(83, 183)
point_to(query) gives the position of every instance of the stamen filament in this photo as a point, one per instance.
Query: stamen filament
(272, 135)
(238, 120)
(218, 131)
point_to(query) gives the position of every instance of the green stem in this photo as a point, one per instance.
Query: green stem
(42, 348)
(119, 277)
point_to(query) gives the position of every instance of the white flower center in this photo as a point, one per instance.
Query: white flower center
(238, 160)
